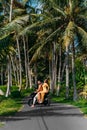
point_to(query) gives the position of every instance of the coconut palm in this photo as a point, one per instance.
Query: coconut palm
(69, 14)
(13, 26)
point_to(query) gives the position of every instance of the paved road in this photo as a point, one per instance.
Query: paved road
(55, 117)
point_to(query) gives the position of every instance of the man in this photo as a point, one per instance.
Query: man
(39, 86)
(38, 95)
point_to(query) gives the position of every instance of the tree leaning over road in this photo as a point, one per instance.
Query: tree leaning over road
(69, 14)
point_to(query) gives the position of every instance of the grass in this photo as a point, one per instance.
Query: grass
(9, 106)
(1, 124)
(81, 103)
(12, 104)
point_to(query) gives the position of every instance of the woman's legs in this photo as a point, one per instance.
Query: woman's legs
(42, 96)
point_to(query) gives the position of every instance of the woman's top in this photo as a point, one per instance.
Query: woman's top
(45, 87)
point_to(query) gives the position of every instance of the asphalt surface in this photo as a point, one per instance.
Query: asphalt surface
(54, 117)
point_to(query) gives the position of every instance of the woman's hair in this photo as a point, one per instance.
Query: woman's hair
(46, 80)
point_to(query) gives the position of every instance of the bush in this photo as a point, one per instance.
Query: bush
(15, 94)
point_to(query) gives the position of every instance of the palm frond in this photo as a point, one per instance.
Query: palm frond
(43, 43)
(14, 26)
(35, 46)
(83, 10)
(82, 57)
(36, 54)
(54, 34)
(81, 20)
(18, 11)
(69, 33)
(40, 34)
(39, 24)
(11, 50)
(57, 8)
(43, 16)
(82, 16)
(83, 35)
(43, 33)
(6, 47)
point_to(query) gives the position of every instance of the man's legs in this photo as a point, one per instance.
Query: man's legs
(34, 100)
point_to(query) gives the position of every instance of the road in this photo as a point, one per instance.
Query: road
(54, 117)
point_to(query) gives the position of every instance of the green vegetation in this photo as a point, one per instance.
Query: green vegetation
(1, 124)
(10, 105)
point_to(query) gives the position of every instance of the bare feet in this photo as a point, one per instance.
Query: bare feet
(32, 106)
(40, 102)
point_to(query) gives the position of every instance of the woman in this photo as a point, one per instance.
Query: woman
(45, 90)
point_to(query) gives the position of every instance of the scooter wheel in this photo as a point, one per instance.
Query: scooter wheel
(30, 102)
(47, 103)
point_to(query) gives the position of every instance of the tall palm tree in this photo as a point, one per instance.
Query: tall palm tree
(14, 25)
(17, 24)
(69, 14)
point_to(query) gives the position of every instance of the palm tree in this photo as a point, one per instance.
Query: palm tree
(14, 27)
(11, 28)
(69, 14)
(9, 59)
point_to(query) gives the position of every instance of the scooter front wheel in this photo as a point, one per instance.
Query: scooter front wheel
(30, 102)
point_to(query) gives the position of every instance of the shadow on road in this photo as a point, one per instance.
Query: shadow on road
(54, 109)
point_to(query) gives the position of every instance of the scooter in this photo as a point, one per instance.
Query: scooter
(46, 101)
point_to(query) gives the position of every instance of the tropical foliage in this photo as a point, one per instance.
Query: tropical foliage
(44, 39)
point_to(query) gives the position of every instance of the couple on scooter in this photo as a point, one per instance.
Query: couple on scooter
(41, 91)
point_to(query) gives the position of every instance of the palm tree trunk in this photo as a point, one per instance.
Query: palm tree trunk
(50, 75)
(14, 69)
(20, 66)
(17, 72)
(63, 69)
(73, 72)
(29, 69)
(59, 72)
(30, 77)
(35, 72)
(53, 66)
(52, 79)
(9, 62)
(56, 68)
(71, 7)
(26, 69)
(67, 71)
(85, 72)
(10, 74)
(10, 14)
(2, 78)
(8, 83)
